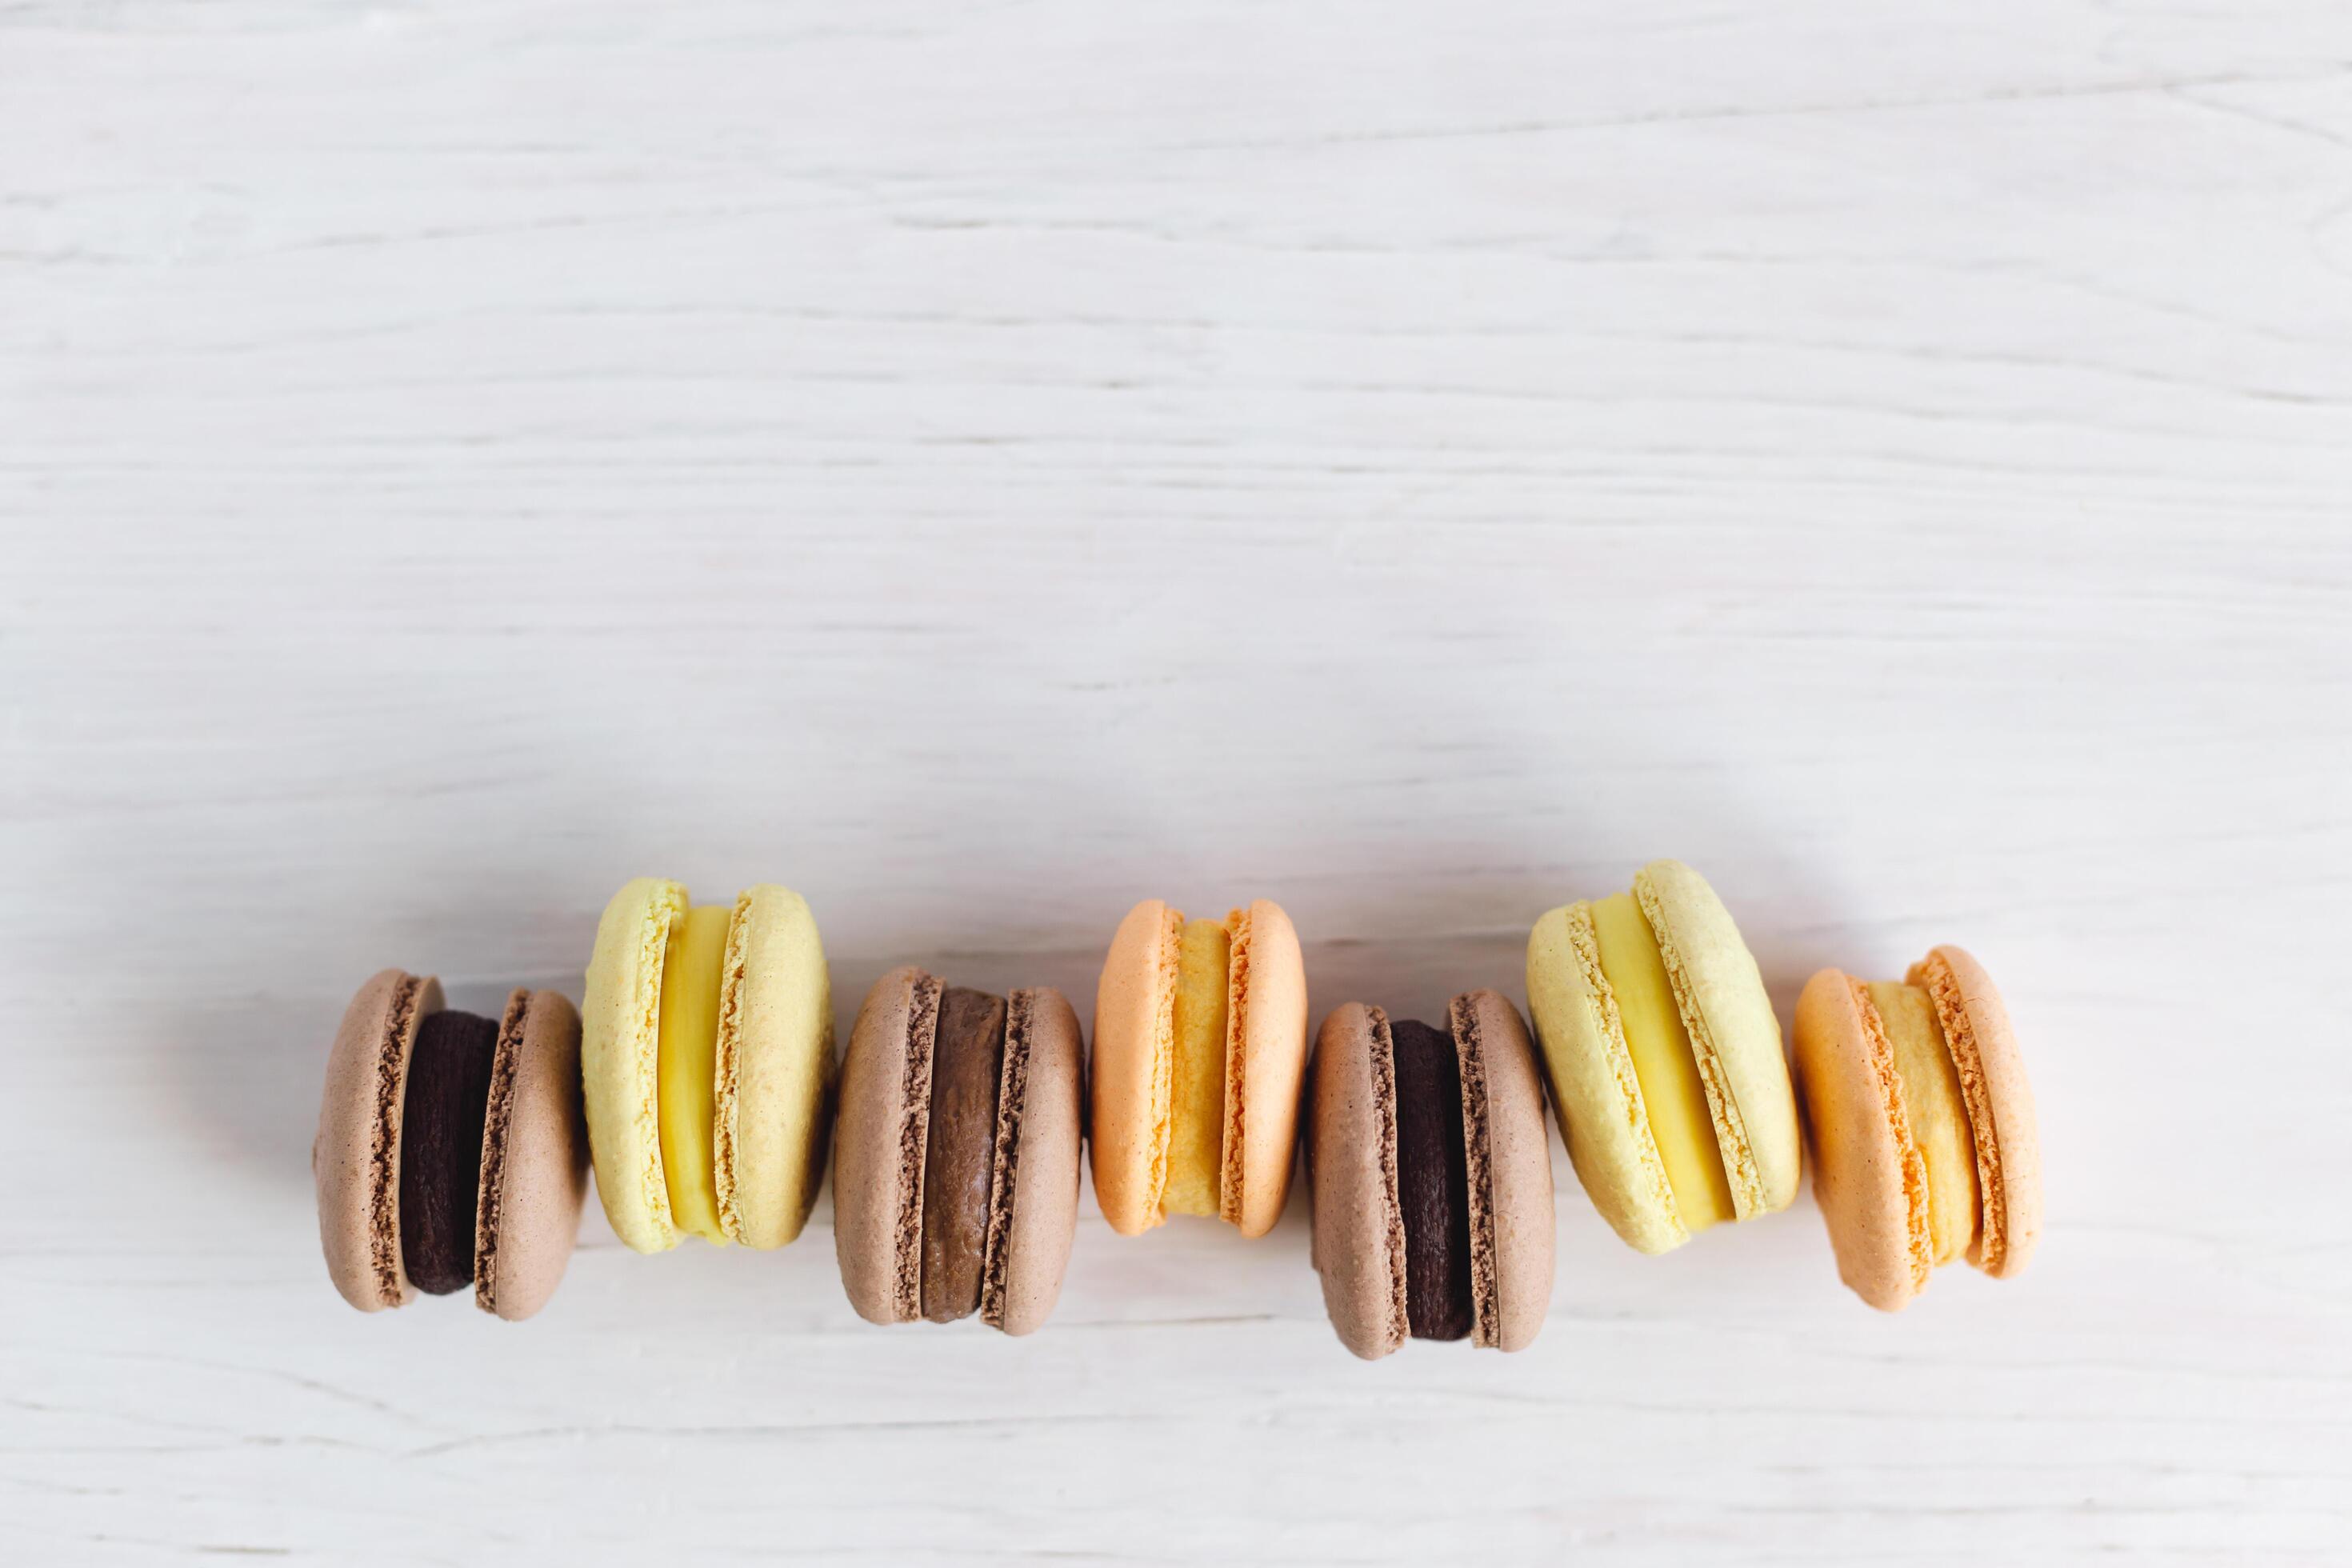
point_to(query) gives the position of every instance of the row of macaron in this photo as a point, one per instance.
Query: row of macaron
(698, 1077)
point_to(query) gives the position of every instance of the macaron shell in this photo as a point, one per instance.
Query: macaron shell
(772, 1099)
(1734, 1035)
(1517, 1160)
(1359, 1248)
(1854, 1111)
(1995, 1087)
(879, 1146)
(1593, 1086)
(1271, 991)
(1042, 1166)
(1130, 1079)
(620, 1054)
(534, 1160)
(355, 1158)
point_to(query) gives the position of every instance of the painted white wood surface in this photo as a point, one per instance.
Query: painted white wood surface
(984, 464)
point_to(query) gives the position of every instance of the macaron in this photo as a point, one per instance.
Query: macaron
(1430, 1177)
(1664, 1059)
(955, 1184)
(1922, 1125)
(1199, 1050)
(450, 1150)
(707, 1065)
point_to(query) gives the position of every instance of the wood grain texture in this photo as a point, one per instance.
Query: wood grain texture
(981, 466)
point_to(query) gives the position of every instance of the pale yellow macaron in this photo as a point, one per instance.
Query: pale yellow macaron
(1664, 1059)
(707, 1065)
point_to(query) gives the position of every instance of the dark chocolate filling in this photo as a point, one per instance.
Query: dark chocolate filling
(441, 1148)
(1432, 1181)
(967, 1065)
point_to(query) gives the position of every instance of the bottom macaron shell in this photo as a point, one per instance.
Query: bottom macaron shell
(1852, 1109)
(1038, 1160)
(534, 1160)
(355, 1157)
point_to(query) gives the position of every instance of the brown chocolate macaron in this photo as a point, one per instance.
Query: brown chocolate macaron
(451, 1149)
(1432, 1178)
(955, 1185)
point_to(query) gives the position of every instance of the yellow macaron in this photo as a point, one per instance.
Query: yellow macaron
(1664, 1059)
(707, 1065)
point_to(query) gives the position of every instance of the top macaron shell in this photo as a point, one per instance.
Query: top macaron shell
(620, 1056)
(355, 1157)
(534, 1160)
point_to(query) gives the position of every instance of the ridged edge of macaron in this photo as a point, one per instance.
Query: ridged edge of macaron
(1231, 1146)
(403, 1017)
(1470, 1062)
(1004, 1160)
(1265, 1019)
(497, 1123)
(912, 1144)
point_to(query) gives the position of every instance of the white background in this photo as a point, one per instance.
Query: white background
(984, 464)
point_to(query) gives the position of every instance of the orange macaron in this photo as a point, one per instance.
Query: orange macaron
(1922, 1125)
(1200, 1049)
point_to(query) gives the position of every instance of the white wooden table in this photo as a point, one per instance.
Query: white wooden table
(984, 464)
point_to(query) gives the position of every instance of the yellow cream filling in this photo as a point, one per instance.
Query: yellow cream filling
(1196, 1127)
(1938, 1114)
(691, 974)
(1680, 1123)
